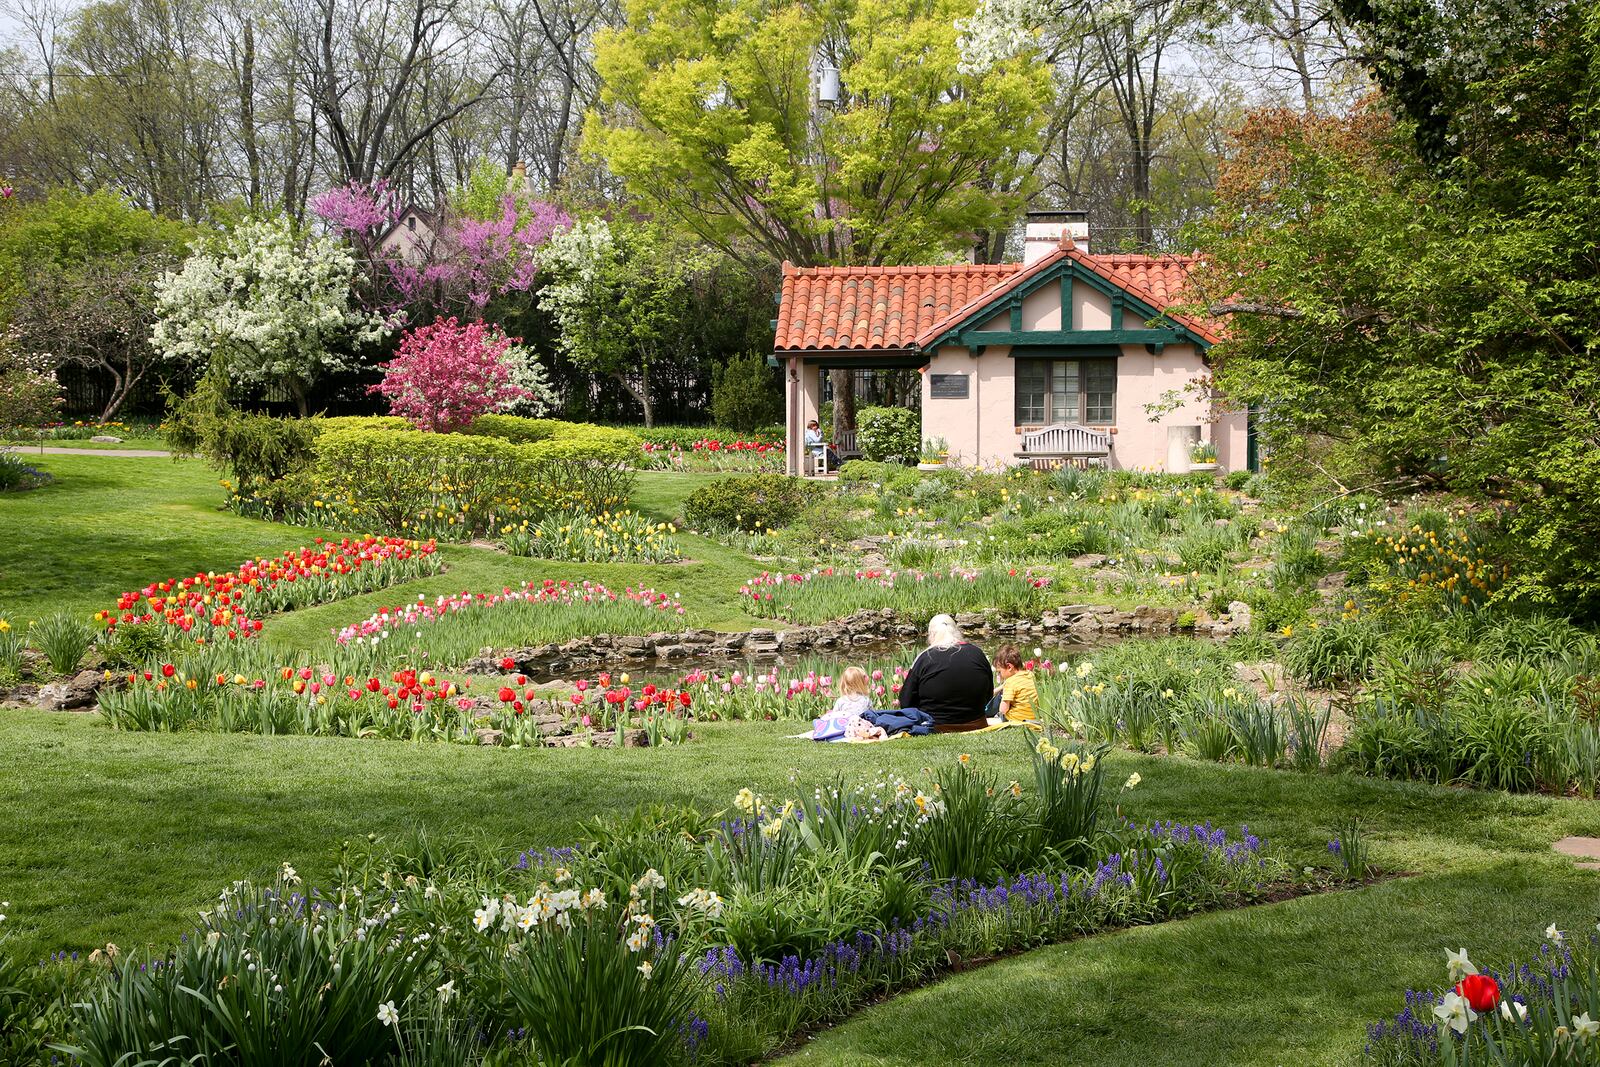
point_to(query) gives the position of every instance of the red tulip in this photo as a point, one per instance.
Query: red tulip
(1482, 993)
(168, 670)
(507, 694)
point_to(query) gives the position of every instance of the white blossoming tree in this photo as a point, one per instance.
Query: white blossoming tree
(269, 306)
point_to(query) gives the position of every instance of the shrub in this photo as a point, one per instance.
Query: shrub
(17, 474)
(555, 439)
(453, 485)
(594, 444)
(255, 450)
(745, 393)
(1236, 480)
(746, 502)
(891, 435)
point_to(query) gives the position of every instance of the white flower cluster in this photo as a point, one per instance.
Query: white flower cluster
(275, 305)
(578, 259)
(545, 906)
(997, 31)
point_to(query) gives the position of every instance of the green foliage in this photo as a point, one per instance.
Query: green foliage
(1441, 333)
(752, 502)
(915, 158)
(62, 639)
(745, 393)
(1330, 653)
(17, 474)
(256, 450)
(890, 435)
(456, 485)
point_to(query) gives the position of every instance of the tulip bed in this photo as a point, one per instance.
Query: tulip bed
(230, 606)
(381, 678)
(688, 937)
(827, 593)
(713, 454)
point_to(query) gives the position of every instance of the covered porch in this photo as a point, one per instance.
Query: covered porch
(803, 400)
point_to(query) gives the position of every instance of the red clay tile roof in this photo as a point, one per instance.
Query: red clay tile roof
(826, 308)
(874, 308)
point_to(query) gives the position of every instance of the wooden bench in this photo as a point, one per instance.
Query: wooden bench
(1053, 446)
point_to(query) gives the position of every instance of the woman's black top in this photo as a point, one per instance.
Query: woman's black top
(951, 684)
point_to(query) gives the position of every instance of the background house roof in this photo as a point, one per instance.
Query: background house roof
(873, 308)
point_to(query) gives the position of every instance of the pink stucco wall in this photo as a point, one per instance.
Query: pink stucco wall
(982, 430)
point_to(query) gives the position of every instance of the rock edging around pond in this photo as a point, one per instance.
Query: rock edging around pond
(1078, 623)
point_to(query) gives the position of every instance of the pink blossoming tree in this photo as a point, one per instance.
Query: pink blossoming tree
(463, 267)
(448, 373)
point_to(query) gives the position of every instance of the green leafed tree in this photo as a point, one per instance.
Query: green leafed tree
(622, 298)
(710, 115)
(1411, 290)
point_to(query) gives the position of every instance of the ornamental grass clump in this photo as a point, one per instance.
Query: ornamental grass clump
(826, 593)
(62, 640)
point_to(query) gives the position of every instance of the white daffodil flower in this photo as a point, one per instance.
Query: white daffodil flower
(1454, 1012)
(388, 1014)
(1459, 965)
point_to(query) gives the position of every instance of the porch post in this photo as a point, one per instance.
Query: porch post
(793, 418)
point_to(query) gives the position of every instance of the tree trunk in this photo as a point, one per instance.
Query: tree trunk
(844, 403)
(247, 112)
(302, 403)
(640, 391)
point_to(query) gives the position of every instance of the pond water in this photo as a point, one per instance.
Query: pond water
(876, 656)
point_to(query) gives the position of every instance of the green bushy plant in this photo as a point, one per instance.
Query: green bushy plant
(889, 434)
(1329, 653)
(751, 502)
(745, 393)
(255, 450)
(17, 474)
(62, 639)
(454, 485)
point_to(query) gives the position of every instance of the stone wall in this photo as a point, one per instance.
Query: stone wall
(1071, 624)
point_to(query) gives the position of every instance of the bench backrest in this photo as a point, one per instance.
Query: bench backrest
(1072, 440)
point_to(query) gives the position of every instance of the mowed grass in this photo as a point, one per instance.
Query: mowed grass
(107, 525)
(123, 837)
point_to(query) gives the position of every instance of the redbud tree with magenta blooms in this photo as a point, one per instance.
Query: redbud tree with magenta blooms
(446, 374)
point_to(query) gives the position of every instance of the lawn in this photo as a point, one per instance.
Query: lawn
(108, 524)
(123, 837)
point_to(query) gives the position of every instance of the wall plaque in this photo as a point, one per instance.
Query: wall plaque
(948, 386)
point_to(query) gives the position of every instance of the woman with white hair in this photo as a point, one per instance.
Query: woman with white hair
(951, 680)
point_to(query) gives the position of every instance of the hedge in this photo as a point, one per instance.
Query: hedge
(390, 477)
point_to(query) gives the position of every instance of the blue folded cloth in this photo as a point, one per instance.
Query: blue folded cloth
(901, 721)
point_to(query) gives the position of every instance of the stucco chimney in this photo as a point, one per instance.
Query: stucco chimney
(1045, 230)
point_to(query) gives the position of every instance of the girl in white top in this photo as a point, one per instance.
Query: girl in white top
(855, 692)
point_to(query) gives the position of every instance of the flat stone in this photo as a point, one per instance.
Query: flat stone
(1587, 848)
(106, 439)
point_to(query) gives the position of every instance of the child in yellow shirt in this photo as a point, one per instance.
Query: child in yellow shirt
(1017, 699)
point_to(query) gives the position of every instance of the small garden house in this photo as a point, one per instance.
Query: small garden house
(1066, 356)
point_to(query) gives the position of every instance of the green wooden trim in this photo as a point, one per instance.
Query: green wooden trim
(847, 360)
(1069, 307)
(1071, 338)
(1016, 314)
(1067, 274)
(1066, 352)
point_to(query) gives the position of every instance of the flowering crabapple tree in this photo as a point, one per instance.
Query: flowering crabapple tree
(269, 305)
(448, 373)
